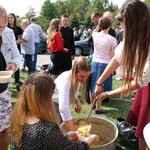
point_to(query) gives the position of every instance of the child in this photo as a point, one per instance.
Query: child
(37, 126)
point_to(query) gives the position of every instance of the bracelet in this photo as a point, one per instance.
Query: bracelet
(100, 84)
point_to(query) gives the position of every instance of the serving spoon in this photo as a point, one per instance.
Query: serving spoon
(84, 122)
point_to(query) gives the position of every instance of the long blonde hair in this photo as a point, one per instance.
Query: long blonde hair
(80, 64)
(35, 98)
(53, 28)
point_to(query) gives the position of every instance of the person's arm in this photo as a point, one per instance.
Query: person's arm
(121, 90)
(20, 40)
(15, 55)
(55, 139)
(70, 125)
(111, 67)
(96, 29)
(63, 88)
(20, 35)
(59, 41)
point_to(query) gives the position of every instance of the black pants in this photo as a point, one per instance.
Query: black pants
(57, 60)
(17, 76)
(67, 61)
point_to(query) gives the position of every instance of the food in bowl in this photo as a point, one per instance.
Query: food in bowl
(105, 129)
(84, 130)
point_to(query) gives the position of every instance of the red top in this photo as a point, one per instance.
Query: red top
(58, 44)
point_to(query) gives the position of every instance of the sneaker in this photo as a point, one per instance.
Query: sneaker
(101, 111)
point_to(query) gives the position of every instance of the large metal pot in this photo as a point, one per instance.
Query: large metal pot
(104, 128)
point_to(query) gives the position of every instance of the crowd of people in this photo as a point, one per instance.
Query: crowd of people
(44, 101)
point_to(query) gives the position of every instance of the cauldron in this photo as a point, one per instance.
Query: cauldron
(105, 129)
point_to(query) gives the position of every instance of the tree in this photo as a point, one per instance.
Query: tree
(48, 10)
(30, 13)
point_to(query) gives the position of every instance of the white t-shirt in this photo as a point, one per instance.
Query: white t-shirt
(62, 94)
(103, 44)
(37, 30)
(146, 74)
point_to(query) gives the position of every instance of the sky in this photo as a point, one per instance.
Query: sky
(21, 7)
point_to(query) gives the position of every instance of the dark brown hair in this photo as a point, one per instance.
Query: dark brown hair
(136, 16)
(65, 15)
(104, 23)
(15, 22)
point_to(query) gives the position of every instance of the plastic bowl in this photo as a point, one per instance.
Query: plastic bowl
(5, 76)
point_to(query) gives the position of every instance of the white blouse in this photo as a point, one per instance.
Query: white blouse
(146, 74)
(62, 95)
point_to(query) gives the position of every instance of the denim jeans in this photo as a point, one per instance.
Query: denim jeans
(37, 46)
(29, 62)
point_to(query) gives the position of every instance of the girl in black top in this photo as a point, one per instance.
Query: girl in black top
(37, 127)
(12, 24)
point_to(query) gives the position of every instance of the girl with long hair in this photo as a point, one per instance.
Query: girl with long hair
(37, 126)
(56, 45)
(67, 89)
(12, 24)
(134, 56)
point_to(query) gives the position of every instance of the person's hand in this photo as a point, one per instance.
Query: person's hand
(72, 135)
(102, 96)
(78, 105)
(66, 50)
(93, 139)
(11, 66)
(98, 90)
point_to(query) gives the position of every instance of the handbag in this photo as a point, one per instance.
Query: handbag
(128, 132)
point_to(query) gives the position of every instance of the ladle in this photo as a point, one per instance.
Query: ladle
(85, 121)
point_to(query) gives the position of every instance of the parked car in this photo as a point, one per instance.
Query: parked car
(82, 47)
(43, 44)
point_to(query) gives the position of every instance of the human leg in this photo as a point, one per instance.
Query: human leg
(17, 81)
(142, 145)
(37, 45)
(56, 68)
(4, 139)
(66, 61)
(5, 114)
(29, 62)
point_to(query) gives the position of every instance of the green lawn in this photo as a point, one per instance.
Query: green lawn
(117, 106)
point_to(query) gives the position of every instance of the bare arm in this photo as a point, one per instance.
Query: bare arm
(70, 125)
(112, 66)
(112, 51)
(121, 90)
(20, 40)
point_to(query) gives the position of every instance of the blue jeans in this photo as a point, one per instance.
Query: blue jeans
(97, 70)
(29, 62)
(37, 46)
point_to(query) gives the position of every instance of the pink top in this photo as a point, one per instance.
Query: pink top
(103, 44)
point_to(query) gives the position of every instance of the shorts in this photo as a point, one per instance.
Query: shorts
(5, 110)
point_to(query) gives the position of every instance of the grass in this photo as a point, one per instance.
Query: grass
(117, 106)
